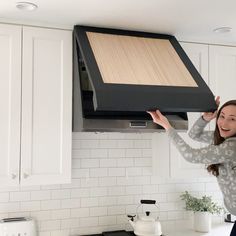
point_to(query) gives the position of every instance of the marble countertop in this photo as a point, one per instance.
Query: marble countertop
(220, 229)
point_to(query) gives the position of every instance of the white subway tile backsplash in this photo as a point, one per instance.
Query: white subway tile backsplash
(40, 195)
(41, 215)
(89, 163)
(70, 203)
(19, 196)
(81, 153)
(87, 222)
(70, 223)
(116, 172)
(142, 162)
(80, 212)
(60, 194)
(4, 197)
(60, 214)
(108, 144)
(125, 200)
(80, 173)
(133, 190)
(89, 182)
(30, 206)
(134, 152)
(107, 220)
(125, 162)
(148, 189)
(99, 172)
(50, 204)
(80, 192)
(134, 171)
(98, 211)
(89, 202)
(116, 153)
(116, 191)
(99, 153)
(9, 207)
(144, 180)
(60, 233)
(111, 173)
(142, 144)
(125, 180)
(175, 215)
(107, 201)
(125, 143)
(50, 225)
(107, 181)
(108, 162)
(98, 192)
(116, 210)
(89, 144)
(76, 164)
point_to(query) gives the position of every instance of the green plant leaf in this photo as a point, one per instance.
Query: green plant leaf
(204, 203)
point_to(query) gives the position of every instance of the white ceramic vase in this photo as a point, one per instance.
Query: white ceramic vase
(202, 221)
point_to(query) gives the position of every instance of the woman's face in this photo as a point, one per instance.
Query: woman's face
(227, 121)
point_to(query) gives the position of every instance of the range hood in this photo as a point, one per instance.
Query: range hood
(120, 74)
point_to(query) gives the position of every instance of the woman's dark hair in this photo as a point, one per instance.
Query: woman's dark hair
(214, 168)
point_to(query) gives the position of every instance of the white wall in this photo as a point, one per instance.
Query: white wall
(111, 173)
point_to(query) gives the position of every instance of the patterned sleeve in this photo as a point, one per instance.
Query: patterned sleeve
(197, 132)
(211, 154)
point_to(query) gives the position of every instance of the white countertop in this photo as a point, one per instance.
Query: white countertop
(220, 229)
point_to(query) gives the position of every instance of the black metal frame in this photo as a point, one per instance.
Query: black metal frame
(140, 98)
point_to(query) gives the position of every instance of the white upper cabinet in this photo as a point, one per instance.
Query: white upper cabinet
(198, 54)
(45, 91)
(222, 71)
(169, 159)
(220, 63)
(10, 102)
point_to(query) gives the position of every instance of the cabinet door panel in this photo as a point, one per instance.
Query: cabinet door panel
(46, 110)
(223, 71)
(179, 167)
(10, 102)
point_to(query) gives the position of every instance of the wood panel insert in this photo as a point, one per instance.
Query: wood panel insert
(139, 61)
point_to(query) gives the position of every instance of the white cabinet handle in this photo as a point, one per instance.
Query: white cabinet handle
(25, 175)
(13, 176)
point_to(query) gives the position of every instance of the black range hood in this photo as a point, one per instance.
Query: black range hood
(120, 74)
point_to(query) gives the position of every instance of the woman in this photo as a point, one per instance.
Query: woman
(220, 155)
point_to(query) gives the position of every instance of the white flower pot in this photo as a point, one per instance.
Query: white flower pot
(202, 222)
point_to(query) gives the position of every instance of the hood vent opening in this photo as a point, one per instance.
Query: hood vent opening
(102, 106)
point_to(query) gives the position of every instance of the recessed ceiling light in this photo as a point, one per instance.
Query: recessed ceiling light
(26, 6)
(222, 30)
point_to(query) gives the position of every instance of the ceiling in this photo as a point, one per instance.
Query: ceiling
(188, 20)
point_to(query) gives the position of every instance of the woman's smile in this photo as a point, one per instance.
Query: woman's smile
(227, 121)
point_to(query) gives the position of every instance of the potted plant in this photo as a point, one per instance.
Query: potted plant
(203, 208)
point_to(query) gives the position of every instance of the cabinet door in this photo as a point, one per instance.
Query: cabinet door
(10, 102)
(223, 72)
(198, 54)
(169, 162)
(46, 106)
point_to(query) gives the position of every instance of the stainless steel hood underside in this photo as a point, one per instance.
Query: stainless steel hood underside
(119, 75)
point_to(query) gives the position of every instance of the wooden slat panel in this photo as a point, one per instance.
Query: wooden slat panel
(139, 61)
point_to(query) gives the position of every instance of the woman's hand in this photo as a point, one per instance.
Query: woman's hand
(159, 119)
(208, 116)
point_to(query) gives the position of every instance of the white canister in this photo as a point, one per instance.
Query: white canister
(202, 221)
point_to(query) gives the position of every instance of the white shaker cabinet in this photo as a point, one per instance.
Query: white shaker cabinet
(167, 161)
(10, 102)
(36, 105)
(222, 71)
